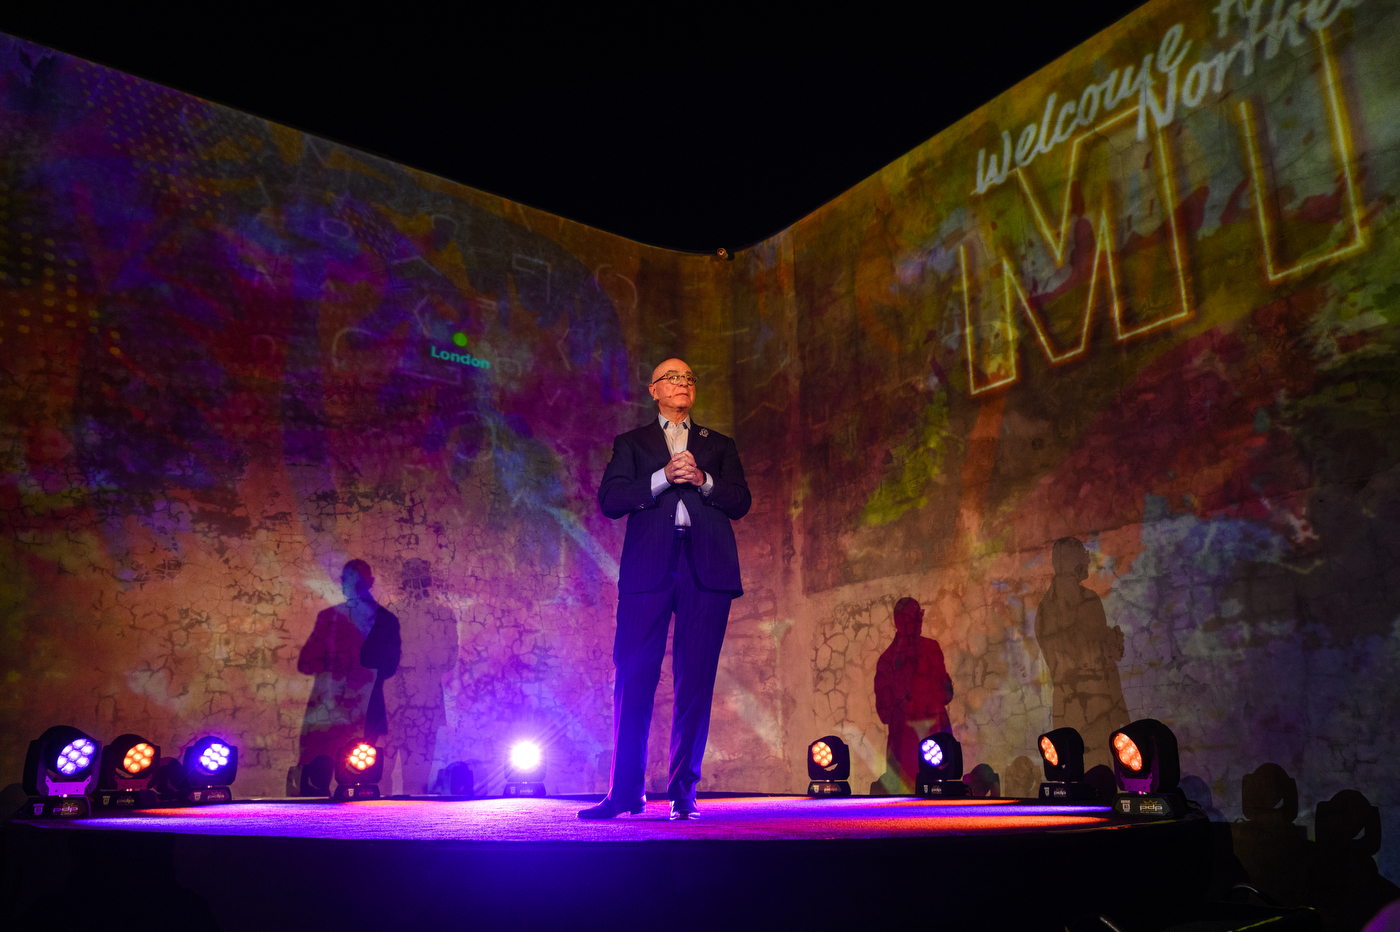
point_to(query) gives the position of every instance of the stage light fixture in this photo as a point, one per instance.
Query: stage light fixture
(525, 770)
(209, 769)
(358, 771)
(941, 767)
(316, 776)
(60, 769)
(1062, 757)
(1148, 769)
(127, 780)
(828, 767)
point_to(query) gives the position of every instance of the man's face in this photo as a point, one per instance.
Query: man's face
(669, 385)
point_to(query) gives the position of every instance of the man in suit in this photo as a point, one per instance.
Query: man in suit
(679, 486)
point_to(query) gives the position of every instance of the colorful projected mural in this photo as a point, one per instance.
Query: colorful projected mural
(235, 359)
(1147, 299)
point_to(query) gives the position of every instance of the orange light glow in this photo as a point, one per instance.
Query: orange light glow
(138, 758)
(362, 758)
(1047, 749)
(1128, 752)
(821, 754)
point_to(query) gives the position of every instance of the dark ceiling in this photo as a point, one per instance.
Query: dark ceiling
(707, 129)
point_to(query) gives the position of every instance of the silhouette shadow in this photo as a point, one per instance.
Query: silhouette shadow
(1101, 778)
(912, 692)
(982, 780)
(1198, 791)
(1022, 778)
(1335, 874)
(1273, 851)
(1350, 890)
(1226, 870)
(1081, 652)
(353, 648)
(456, 779)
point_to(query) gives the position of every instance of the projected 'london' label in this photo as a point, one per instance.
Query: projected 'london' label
(453, 357)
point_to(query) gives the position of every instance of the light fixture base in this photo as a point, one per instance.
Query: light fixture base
(942, 789)
(65, 788)
(349, 791)
(127, 799)
(524, 789)
(54, 807)
(204, 795)
(1066, 792)
(819, 788)
(1170, 805)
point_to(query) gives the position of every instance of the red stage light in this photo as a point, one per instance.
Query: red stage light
(138, 758)
(1062, 757)
(828, 767)
(358, 771)
(1147, 766)
(1128, 752)
(363, 756)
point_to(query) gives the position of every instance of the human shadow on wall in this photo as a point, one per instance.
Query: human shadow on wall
(1336, 874)
(414, 696)
(1082, 653)
(352, 650)
(912, 692)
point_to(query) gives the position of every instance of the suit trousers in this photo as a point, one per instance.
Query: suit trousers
(643, 619)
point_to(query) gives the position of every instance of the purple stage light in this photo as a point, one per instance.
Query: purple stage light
(525, 770)
(61, 767)
(209, 769)
(215, 757)
(75, 756)
(525, 756)
(940, 767)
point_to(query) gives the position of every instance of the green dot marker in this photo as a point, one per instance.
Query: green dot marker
(460, 339)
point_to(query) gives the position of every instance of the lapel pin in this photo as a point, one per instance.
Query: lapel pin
(704, 432)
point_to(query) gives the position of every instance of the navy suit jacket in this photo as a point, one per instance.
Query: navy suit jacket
(626, 490)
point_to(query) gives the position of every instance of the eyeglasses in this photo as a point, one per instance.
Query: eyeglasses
(677, 378)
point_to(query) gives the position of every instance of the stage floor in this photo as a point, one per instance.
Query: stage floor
(762, 862)
(555, 819)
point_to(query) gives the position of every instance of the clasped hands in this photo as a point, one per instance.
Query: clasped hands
(682, 470)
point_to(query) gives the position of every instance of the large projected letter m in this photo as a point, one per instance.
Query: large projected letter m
(1115, 243)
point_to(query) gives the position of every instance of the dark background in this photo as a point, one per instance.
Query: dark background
(707, 127)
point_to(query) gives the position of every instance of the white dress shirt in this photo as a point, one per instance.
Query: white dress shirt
(677, 437)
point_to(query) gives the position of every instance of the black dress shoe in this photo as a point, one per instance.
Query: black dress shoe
(684, 810)
(607, 809)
